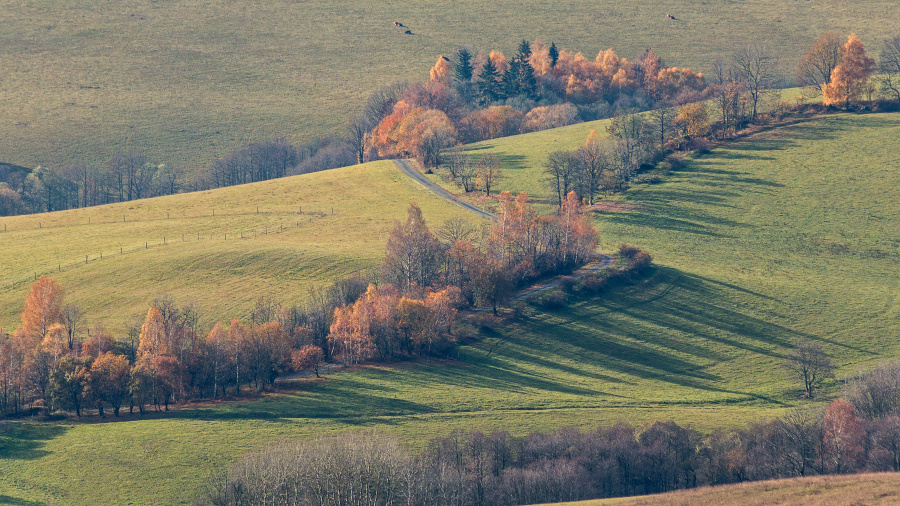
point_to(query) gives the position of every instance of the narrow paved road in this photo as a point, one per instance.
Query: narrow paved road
(440, 192)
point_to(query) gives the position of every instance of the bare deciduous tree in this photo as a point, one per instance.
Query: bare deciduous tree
(754, 68)
(889, 67)
(809, 363)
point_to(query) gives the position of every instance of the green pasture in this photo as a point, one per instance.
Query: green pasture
(185, 82)
(213, 247)
(792, 233)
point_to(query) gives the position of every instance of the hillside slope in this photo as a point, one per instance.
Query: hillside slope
(785, 235)
(291, 245)
(185, 82)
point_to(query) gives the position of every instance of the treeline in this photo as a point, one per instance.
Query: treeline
(131, 176)
(861, 433)
(408, 310)
(841, 72)
(483, 95)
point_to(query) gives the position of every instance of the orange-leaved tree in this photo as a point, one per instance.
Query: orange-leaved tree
(307, 357)
(43, 308)
(850, 77)
(109, 378)
(819, 62)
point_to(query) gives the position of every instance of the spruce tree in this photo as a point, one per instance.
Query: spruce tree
(524, 50)
(511, 78)
(554, 54)
(489, 85)
(527, 81)
(463, 65)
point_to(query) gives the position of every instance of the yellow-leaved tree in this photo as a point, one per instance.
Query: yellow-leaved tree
(850, 77)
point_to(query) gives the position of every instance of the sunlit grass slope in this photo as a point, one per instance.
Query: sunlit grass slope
(792, 234)
(187, 81)
(292, 244)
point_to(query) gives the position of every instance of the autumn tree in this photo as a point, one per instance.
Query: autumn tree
(413, 253)
(809, 363)
(216, 358)
(592, 161)
(843, 437)
(727, 93)
(307, 357)
(692, 122)
(561, 173)
(849, 78)
(754, 68)
(237, 336)
(578, 236)
(154, 341)
(98, 343)
(267, 353)
(68, 381)
(43, 308)
(109, 378)
(492, 282)
(820, 60)
(889, 67)
(489, 172)
(73, 315)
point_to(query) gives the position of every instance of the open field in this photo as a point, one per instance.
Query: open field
(859, 489)
(293, 244)
(185, 82)
(788, 234)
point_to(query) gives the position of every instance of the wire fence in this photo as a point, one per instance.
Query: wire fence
(166, 240)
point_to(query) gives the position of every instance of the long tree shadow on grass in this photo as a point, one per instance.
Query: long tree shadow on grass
(26, 440)
(15, 501)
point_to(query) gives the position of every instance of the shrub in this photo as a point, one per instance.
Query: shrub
(593, 285)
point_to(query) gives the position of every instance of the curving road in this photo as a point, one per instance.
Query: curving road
(440, 192)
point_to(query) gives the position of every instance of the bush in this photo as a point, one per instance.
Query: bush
(552, 299)
(593, 285)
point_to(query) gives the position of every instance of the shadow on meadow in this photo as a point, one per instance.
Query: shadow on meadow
(26, 440)
(15, 501)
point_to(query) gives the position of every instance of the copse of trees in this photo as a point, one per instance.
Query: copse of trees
(167, 358)
(569, 465)
(483, 96)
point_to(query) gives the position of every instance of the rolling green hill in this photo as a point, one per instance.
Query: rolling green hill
(185, 82)
(219, 250)
(787, 234)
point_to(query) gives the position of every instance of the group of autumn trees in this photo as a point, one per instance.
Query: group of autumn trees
(482, 96)
(859, 432)
(45, 364)
(425, 280)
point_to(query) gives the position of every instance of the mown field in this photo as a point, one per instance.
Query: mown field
(185, 82)
(789, 234)
(219, 250)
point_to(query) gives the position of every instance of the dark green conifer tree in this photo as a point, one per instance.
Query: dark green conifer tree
(554, 54)
(463, 65)
(511, 78)
(489, 83)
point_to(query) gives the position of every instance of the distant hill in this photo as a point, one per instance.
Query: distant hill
(186, 82)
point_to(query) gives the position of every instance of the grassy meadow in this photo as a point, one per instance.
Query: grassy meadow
(185, 82)
(790, 233)
(219, 251)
